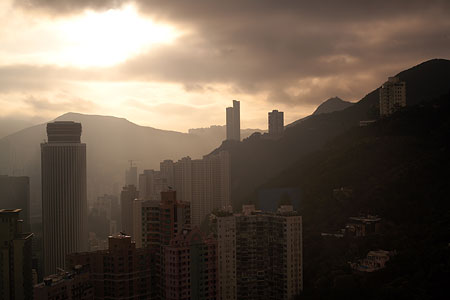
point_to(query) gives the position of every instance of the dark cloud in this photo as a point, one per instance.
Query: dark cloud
(298, 52)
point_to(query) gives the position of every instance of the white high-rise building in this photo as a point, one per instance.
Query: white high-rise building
(64, 197)
(392, 96)
(234, 121)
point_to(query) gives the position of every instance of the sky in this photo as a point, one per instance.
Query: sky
(178, 64)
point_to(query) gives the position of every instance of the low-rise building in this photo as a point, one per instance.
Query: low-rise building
(363, 225)
(374, 261)
(70, 285)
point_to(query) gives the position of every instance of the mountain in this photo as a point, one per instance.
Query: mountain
(256, 160)
(397, 168)
(11, 125)
(328, 106)
(218, 133)
(332, 105)
(111, 142)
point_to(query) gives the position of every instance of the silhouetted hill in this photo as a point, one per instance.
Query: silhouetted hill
(328, 106)
(256, 160)
(218, 133)
(397, 169)
(111, 142)
(332, 105)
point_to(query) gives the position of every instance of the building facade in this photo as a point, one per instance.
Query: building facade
(190, 267)
(276, 123)
(16, 280)
(127, 196)
(121, 272)
(233, 117)
(260, 254)
(64, 196)
(392, 96)
(151, 184)
(204, 183)
(157, 222)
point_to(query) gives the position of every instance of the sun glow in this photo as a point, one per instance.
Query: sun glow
(108, 38)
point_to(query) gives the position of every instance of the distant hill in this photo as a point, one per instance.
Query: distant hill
(218, 133)
(10, 125)
(111, 142)
(328, 106)
(332, 105)
(256, 160)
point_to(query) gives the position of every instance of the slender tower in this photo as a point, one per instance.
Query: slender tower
(64, 197)
(234, 121)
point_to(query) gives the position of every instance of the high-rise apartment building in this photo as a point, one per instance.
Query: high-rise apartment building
(121, 272)
(276, 123)
(15, 193)
(127, 196)
(15, 257)
(64, 197)
(151, 184)
(204, 183)
(131, 175)
(392, 96)
(167, 171)
(260, 254)
(190, 266)
(157, 222)
(234, 121)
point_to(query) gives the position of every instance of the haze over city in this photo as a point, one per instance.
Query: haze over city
(232, 150)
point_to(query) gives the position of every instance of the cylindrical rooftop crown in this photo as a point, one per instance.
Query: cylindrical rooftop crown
(64, 132)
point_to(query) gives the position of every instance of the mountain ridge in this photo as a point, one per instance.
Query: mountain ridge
(257, 160)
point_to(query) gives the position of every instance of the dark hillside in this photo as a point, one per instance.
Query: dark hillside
(397, 169)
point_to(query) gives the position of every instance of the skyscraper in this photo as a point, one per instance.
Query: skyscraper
(392, 96)
(167, 171)
(64, 197)
(204, 183)
(151, 184)
(276, 123)
(131, 177)
(127, 196)
(15, 193)
(15, 257)
(234, 121)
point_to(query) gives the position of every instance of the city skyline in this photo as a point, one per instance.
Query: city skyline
(241, 149)
(291, 57)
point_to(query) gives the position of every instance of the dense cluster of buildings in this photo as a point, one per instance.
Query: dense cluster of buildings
(155, 249)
